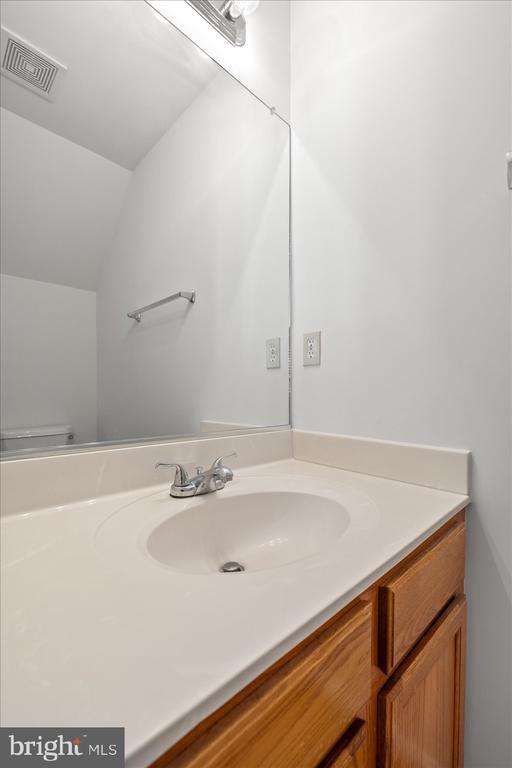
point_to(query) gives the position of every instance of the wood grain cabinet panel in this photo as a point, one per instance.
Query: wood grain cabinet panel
(421, 707)
(296, 716)
(412, 599)
(352, 749)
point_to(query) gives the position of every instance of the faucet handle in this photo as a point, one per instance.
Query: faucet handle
(217, 464)
(224, 474)
(181, 477)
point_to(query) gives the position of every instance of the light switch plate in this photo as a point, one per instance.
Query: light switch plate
(311, 348)
(273, 353)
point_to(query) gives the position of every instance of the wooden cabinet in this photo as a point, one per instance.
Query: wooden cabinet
(297, 715)
(380, 685)
(421, 707)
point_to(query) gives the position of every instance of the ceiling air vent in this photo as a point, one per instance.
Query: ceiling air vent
(29, 67)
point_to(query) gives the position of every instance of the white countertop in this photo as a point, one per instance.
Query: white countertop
(96, 633)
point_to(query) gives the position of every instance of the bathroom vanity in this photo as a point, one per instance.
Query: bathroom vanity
(381, 683)
(341, 644)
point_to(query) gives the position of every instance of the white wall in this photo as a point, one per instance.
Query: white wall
(401, 231)
(48, 356)
(207, 209)
(262, 64)
(60, 205)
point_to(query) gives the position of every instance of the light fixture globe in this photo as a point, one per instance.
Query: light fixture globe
(243, 7)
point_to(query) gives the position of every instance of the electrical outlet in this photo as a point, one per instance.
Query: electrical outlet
(311, 348)
(273, 353)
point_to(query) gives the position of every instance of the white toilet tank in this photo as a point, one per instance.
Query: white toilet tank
(35, 437)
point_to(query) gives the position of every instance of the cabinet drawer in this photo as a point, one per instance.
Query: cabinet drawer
(411, 600)
(296, 716)
(352, 749)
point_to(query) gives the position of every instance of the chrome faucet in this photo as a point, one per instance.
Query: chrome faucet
(213, 479)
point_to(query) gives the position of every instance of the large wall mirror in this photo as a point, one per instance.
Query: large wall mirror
(134, 168)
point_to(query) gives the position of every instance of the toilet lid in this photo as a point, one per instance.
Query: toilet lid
(17, 433)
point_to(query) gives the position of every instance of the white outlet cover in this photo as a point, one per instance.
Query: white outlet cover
(311, 348)
(273, 347)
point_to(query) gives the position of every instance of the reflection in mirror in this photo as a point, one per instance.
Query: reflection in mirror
(135, 168)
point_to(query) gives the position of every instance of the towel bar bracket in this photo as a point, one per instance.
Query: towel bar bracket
(136, 314)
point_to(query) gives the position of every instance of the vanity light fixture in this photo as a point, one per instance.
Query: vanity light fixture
(227, 16)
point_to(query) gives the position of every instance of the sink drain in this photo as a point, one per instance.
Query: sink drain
(231, 567)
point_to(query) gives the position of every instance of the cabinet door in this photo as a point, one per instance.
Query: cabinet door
(421, 707)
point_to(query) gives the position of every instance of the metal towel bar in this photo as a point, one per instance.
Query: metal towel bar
(188, 295)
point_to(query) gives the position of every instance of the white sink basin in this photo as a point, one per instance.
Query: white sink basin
(263, 522)
(258, 530)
